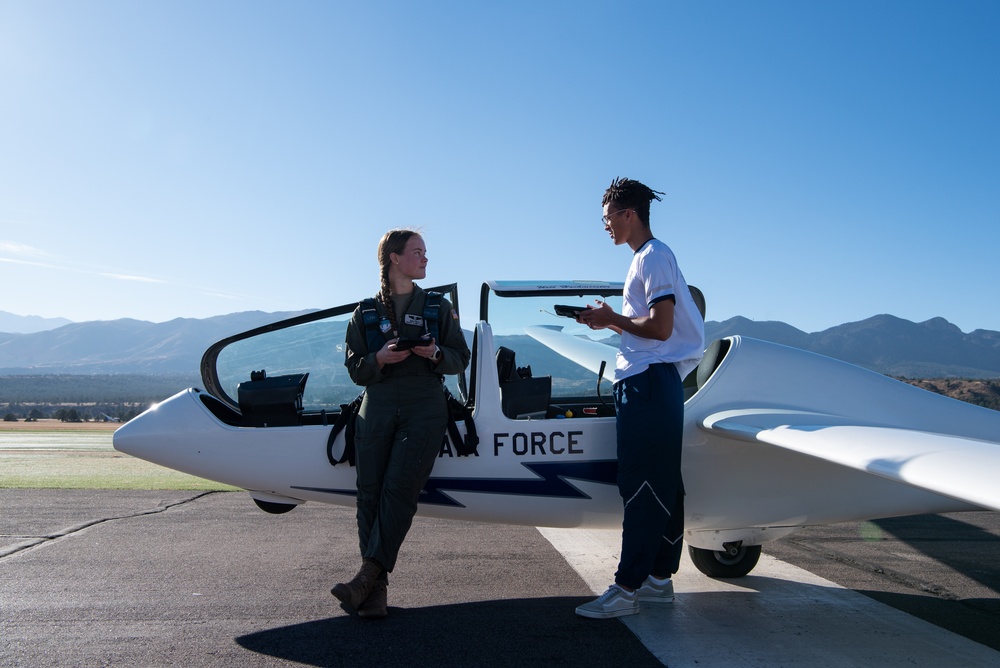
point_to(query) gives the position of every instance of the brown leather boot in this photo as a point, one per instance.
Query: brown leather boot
(357, 590)
(376, 605)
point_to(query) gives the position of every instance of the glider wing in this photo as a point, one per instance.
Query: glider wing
(587, 353)
(954, 466)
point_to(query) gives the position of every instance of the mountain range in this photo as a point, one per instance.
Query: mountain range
(28, 324)
(883, 343)
(896, 347)
(124, 345)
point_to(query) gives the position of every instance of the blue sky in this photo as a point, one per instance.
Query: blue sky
(823, 161)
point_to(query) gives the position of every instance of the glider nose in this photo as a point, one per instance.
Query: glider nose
(130, 437)
(150, 436)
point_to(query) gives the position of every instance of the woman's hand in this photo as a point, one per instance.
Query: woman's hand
(427, 351)
(389, 355)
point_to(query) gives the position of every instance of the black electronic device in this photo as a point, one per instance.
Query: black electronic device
(404, 343)
(569, 311)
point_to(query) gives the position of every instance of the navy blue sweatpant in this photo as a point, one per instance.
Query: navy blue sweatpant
(650, 408)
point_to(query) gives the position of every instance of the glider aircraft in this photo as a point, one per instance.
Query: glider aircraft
(775, 438)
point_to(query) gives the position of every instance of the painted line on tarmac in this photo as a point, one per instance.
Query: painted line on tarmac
(779, 615)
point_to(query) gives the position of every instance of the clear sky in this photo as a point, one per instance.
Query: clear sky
(823, 162)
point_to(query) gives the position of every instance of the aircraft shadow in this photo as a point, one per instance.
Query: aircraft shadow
(964, 548)
(522, 632)
(957, 544)
(974, 618)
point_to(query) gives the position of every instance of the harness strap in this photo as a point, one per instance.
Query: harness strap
(375, 336)
(456, 411)
(459, 411)
(432, 311)
(346, 419)
(369, 313)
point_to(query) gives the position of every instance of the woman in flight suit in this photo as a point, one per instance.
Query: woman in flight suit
(403, 417)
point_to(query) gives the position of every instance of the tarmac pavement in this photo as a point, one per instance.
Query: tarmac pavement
(139, 578)
(98, 578)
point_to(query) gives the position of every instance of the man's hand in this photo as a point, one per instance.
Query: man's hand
(601, 316)
(658, 325)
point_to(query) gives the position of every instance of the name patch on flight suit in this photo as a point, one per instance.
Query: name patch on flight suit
(410, 319)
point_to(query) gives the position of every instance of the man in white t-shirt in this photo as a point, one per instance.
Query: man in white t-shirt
(662, 340)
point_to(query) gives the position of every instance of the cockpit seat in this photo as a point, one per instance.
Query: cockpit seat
(691, 383)
(521, 395)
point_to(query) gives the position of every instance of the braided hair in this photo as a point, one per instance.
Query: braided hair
(393, 241)
(630, 194)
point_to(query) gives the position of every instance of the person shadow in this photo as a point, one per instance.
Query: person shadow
(521, 632)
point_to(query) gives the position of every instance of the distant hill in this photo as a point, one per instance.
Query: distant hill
(883, 343)
(887, 344)
(28, 324)
(124, 346)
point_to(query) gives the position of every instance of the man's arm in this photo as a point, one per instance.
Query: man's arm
(658, 325)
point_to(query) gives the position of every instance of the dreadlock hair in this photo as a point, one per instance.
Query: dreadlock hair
(630, 194)
(393, 241)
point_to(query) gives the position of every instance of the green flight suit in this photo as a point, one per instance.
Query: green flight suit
(401, 424)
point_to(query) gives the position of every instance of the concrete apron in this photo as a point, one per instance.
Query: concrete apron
(779, 615)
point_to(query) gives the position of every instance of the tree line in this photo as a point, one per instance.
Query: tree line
(120, 397)
(78, 398)
(15, 412)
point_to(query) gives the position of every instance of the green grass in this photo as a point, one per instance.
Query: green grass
(93, 470)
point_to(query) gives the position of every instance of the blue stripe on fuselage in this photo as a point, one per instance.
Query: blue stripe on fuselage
(551, 483)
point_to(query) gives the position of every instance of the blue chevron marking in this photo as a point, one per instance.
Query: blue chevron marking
(551, 482)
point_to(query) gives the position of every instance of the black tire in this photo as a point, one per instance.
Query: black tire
(274, 508)
(724, 565)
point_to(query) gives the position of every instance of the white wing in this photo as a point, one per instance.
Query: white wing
(585, 352)
(961, 468)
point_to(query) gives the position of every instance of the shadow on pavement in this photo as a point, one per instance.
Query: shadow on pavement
(522, 632)
(975, 618)
(950, 541)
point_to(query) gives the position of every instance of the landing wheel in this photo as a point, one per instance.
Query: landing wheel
(274, 508)
(735, 562)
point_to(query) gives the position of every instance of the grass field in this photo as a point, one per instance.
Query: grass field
(78, 455)
(57, 425)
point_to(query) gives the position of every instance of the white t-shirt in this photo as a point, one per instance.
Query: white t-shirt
(653, 277)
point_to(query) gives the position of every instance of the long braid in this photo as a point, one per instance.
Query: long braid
(385, 291)
(393, 241)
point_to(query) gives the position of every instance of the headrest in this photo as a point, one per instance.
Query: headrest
(714, 355)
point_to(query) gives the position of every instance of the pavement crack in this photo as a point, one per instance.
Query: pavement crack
(33, 542)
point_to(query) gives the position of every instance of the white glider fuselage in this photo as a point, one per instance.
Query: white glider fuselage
(742, 482)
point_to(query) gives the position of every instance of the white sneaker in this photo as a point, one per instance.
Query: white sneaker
(615, 602)
(652, 591)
